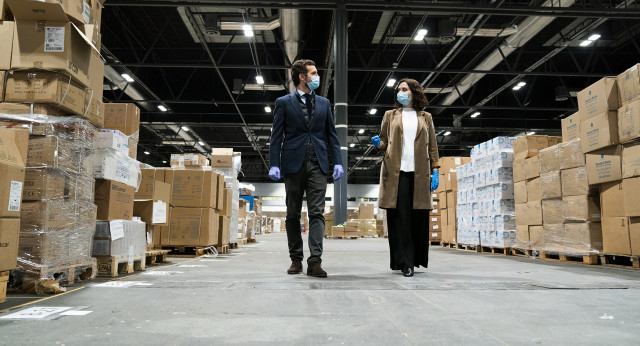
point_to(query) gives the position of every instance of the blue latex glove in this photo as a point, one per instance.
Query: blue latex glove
(376, 141)
(274, 173)
(435, 180)
(338, 172)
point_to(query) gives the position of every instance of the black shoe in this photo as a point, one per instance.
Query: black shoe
(407, 272)
(296, 267)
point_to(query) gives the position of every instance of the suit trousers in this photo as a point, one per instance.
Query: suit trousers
(313, 181)
(408, 228)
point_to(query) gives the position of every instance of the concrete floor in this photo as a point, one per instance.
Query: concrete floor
(245, 297)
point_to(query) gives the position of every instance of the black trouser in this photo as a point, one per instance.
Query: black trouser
(408, 228)
(312, 180)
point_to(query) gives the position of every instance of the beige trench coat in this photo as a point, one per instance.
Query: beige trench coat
(425, 155)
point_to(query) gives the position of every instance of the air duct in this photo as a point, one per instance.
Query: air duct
(290, 26)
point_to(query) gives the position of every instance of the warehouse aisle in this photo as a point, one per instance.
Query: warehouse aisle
(245, 297)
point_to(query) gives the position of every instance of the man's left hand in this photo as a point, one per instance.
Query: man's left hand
(338, 172)
(435, 180)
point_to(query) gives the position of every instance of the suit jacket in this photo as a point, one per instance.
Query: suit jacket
(425, 156)
(291, 132)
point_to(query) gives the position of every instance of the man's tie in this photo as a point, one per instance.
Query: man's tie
(309, 105)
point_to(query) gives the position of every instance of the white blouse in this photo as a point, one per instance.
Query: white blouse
(410, 128)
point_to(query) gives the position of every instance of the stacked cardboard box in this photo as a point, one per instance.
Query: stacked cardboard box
(124, 117)
(447, 196)
(485, 206)
(227, 163)
(13, 159)
(152, 204)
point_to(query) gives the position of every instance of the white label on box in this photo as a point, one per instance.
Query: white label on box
(436, 227)
(86, 12)
(434, 219)
(15, 195)
(117, 229)
(458, 161)
(149, 238)
(434, 235)
(159, 212)
(54, 39)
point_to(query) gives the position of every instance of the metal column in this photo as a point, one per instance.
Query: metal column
(340, 114)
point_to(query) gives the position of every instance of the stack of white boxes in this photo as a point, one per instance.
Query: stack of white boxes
(486, 207)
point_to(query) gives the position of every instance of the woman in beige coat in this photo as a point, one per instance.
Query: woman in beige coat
(409, 172)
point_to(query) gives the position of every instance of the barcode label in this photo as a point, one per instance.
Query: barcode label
(15, 196)
(54, 39)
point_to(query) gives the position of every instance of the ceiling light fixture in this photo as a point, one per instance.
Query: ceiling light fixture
(146, 153)
(422, 32)
(201, 142)
(361, 131)
(418, 38)
(163, 161)
(517, 87)
(352, 145)
(593, 37)
(127, 77)
(585, 43)
(391, 82)
(184, 128)
(259, 80)
(267, 109)
(447, 133)
(248, 32)
(373, 111)
(531, 133)
(162, 108)
(521, 84)
(474, 115)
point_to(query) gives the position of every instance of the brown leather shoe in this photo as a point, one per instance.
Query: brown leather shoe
(296, 267)
(315, 270)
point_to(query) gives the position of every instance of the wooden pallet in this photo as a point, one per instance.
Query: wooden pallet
(587, 259)
(252, 240)
(449, 245)
(114, 265)
(190, 251)
(472, 248)
(505, 251)
(242, 241)
(223, 248)
(4, 278)
(522, 252)
(620, 261)
(435, 242)
(25, 278)
(156, 256)
(233, 245)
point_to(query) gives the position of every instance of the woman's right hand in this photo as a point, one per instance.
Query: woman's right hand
(376, 141)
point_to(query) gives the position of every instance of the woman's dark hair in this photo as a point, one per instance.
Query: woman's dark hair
(418, 97)
(298, 67)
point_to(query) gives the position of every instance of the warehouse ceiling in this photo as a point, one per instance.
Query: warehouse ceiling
(193, 58)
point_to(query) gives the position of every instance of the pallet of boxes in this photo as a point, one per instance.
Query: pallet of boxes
(227, 163)
(197, 200)
(617, 167)
(53, 85)
(485, 206)
(443, 228)
(120, 240)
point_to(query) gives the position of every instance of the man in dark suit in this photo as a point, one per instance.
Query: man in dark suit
(303, 141)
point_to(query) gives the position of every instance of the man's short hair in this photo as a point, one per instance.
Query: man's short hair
(298, 67)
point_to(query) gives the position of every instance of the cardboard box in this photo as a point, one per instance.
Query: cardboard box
(598, 98)
(19, 108)
(114, 200)
(228, 203)
(574, 181)
(152, 212)
(534, 213)
(451, 163)
(612, 199)
(604, 165)
(222, 157)
(434, 212)
(583, 237)
(193, 188)
(551, 185)
(45, 39)
(133, 147)
(529, 146)
(631, 160)
(9, 235)
(523, 241)
(615, 236)
(367, 227)
(571, 127)
(534, 190)
(634, 235)
(549, 159)
(151, 177)
(442, 196)
(195, 160)
(629, 85)
(112, 139)
(6, 37)
(221, 195)
(537, 237)
(629, 122)
(43, 183)
(46, 87)
(224, 230)
(337, 231)
(366, 211)
(176, 160)
(120, 238)
(522, 216)
(519, 170)
(451, 200)
(53, 152)
(451, 218)
(581, 208)
(571, 154)
(46, 215)
(553, 211)
(599, 132)
(124, 117)
(437, 205)
(351, 229)
(13, 159)
(520, 192)
(631, 191)
(451, 181)
(532, 167)
(193, 227)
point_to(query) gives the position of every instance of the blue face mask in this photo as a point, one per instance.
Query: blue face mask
(315, 82)
(403, 98)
